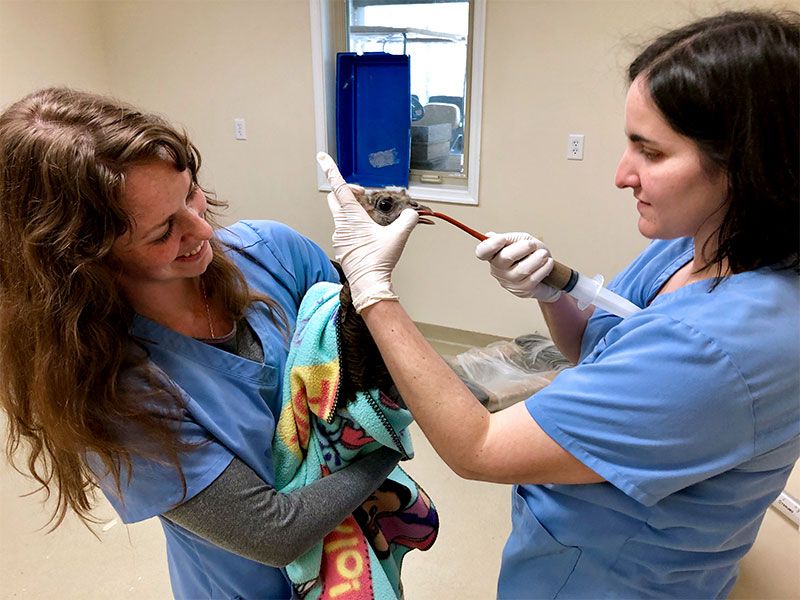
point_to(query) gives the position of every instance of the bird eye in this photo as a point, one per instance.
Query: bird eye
(384, 205)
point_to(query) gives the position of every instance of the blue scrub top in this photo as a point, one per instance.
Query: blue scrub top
(231, 408)
(690, 410)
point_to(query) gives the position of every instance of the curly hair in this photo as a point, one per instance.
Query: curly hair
(69, 368)
(731, 83)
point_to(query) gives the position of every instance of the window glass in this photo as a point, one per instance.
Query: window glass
(445, 40)
(435, 34)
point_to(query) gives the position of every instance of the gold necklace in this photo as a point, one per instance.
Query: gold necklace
(208, 310)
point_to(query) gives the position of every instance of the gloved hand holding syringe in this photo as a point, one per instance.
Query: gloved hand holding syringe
(561, 278)
(520, 264)
(584, 289)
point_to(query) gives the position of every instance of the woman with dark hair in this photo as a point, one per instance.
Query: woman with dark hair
(143, 349)
(646, 469)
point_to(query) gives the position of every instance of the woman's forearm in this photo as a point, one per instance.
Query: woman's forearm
(432, 391)
(505, 447)
(243, 514)
(566, 324)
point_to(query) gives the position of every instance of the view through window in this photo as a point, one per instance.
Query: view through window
(434, 33)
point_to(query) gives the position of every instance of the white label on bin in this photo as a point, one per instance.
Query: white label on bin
(384, 158)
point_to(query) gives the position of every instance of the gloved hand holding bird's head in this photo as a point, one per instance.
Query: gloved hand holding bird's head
(366, 251)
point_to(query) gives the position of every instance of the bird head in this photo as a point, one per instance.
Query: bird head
(384, 206)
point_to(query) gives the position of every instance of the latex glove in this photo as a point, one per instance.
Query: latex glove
(366, 251)
(519, 262)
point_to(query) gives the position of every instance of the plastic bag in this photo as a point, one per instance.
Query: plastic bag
(504, 373)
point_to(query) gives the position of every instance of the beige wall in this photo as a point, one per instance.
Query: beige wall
(204, 64)
(50, 43)
(551, 68)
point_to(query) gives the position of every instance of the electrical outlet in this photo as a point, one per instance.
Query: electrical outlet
(575, 146)
(239, 129)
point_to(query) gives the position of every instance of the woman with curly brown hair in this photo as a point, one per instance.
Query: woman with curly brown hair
(142, 348)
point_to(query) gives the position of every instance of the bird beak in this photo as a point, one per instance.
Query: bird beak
(422, 210)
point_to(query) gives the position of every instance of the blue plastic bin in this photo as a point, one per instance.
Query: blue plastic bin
(373, 118)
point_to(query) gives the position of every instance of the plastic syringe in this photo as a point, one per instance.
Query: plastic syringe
(589, 290)
(585, 290)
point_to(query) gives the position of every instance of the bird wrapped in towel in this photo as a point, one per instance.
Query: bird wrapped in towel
(337, 405)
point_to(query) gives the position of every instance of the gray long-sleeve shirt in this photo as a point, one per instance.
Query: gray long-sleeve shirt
(241, 513)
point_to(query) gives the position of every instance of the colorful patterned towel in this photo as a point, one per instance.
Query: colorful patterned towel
(362, 557)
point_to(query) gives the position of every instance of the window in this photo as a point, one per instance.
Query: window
(444, 39)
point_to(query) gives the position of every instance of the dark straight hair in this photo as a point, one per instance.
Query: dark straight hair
(731, 83)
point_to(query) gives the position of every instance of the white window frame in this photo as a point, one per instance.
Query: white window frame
(326, 36)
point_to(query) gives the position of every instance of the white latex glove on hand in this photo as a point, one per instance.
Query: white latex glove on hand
(366, 251)
(519, 262)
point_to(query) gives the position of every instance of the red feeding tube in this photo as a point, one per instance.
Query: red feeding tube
(476, 234)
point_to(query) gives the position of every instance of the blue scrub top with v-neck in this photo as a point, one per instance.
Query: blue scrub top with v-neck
(231, 407)
(689, 410)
